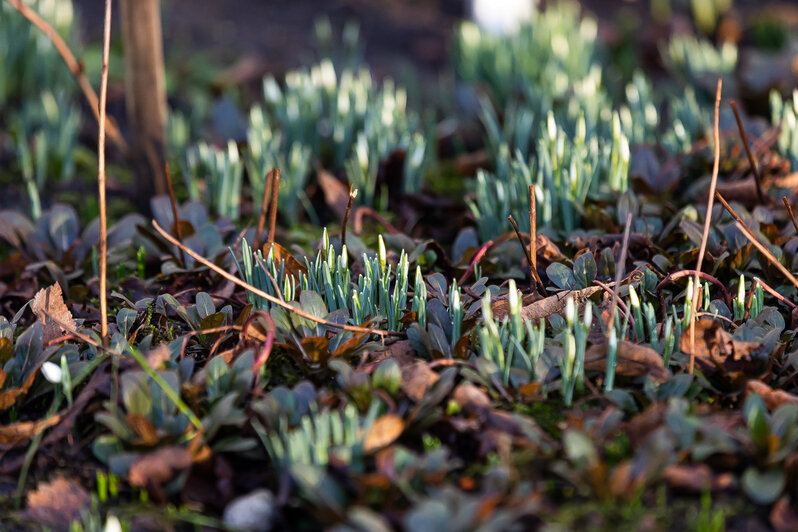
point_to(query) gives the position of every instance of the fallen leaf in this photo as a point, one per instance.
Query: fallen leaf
(21, 431)
(292, 266)
(472, 399)
(336, 194)
(383, 432)
(10, 396)
(634, 360)
(417, 379)
(773, 398)
(49, 307)
(57, 503)
(158, 467)
(715, 349)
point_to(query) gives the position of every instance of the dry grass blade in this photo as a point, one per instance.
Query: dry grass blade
(759, 194)
(264, 204)
(533, 233)
(101, 177)
(619, 267)
(766, 252)
(789, 210)
(74, 66)
(352, 196)
(243, 284)
(532, 273)
(707, 221)
(273, 207)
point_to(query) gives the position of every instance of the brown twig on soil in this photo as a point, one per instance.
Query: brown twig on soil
(707, 221)
(243, 284)
(759, 194)
(789, 211)
(273, 208)
(533, 234)
(703, 275)
(532, 273)
(178, 231)
(772, 291)
(352, 196)
(749, 234)
(766, 252)
(477, 257)
(101, 177)
(74, 66)
(619, 267)
(264, 204)
(363, 211)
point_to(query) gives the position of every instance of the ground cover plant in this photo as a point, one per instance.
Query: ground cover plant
(570, 304)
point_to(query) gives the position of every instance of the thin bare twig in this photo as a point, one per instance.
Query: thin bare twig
(749, 234)
(525, 249)
(477, 257)
(766, 252)
(101, 177)
(707, 221)
(352, 196)
(789, 210)
(770, 290)
(533, 233)
(74, 66)
(703, 275)
(619, 267)
(264, 207)
(759, 194)
(178, 230)
(243, 284)
(273, 208)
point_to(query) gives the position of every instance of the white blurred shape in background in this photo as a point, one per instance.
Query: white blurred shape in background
(502, 16)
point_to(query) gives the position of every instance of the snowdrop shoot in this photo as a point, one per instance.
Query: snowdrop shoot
(502, 17)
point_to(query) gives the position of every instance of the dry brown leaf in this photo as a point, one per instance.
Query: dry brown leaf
(472, 399)
(715, 348)
(336, 194)
(143, 428)
(417, 379)
(57, 503)
(383, 432)
(21, 431)
(773, 398)
(158, 467)
(633, 361)
(49, 307)
(292, 266)
(10, 396)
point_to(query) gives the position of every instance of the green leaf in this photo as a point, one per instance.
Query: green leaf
(205, 306)
(136, 393)
(28, 345)
(580, 449)
(562, 276)
(763, 487)
(585, 270)
(124, 320)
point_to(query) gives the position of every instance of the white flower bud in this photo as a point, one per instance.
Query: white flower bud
(51, 372)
